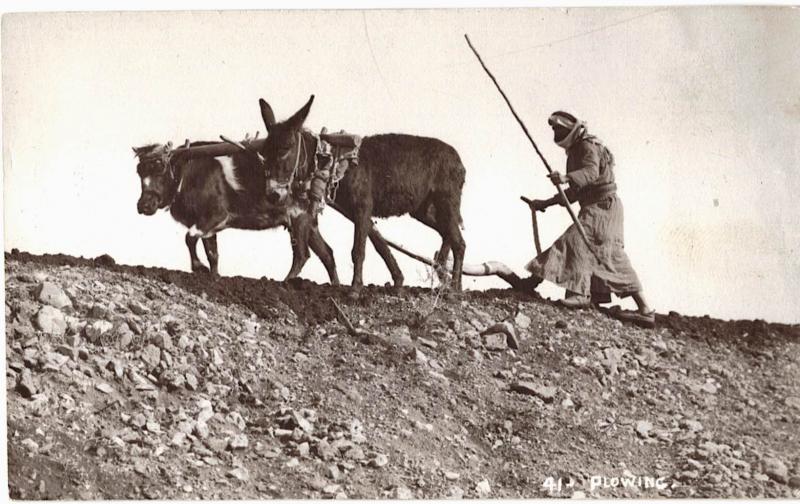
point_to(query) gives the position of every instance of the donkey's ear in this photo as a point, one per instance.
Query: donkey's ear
(266, 114)
(299, 117)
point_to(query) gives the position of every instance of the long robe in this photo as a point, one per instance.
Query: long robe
(569, 263)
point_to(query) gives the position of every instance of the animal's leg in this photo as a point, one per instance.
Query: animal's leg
(427, 216)
(210, 246)
(383, 249)
(448, 218)
(362, 226)
(299, 231)
(320, 247)
(191, 244)
(441, 261)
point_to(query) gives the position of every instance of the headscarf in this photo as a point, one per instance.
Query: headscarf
(577, 128)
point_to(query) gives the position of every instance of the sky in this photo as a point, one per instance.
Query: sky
(699, 106)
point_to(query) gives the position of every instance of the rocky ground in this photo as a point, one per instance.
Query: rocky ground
(128, 382)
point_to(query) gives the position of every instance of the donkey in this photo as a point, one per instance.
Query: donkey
(209, 194)
(396, 175)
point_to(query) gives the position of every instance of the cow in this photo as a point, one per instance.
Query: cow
(396, 174)
(210, 194)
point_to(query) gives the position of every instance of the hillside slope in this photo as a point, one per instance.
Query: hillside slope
(131, 382)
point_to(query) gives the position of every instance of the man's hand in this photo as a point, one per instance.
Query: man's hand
(558, 178)
(540, 205)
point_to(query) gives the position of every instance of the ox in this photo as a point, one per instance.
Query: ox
(395, 175)
(208, 194)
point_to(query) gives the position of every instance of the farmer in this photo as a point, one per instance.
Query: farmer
(569, 262)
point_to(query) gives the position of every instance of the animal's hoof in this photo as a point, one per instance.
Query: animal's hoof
(294, 281)
(354, 294)
(398, 282)
(199, 268)
(454, 295)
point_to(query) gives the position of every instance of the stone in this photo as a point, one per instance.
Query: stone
(776, 470)
(151, 356)
(191, 381)
(417, 356)
(68, 351)
(687, 476)
(303, 423)
(578, 361)
(51, 294)
(331, 489)
(455, 492)
(794, 482)
(98, 311)
(201, 430)
(483, 489)
(26, 385)
(505, 329)
(217, 357)
(317, 483)
(55, 360)
(451, 476)
(104, 388)
(523, 321)
(325, 451)
(51, 321)
(178, 439)
(153, 426)
(691, 425)
(547, 394)
(613, 358)
(96, 329)
(217, 445)
(25, 331)
(496, 342)
(140, 467)
(239, 442)
(355, 453)
(792, 402)
(428, 343)
(138, 308)
(139, 420)
(162, 340)
(332, 472)
(643, 428)
(205, 413)
(184, 342)
(402, 492)
(31, 445)
(125, 339)
(303, 450)
(379, 460)
(240, 473)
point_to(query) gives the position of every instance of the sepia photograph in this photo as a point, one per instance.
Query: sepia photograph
(398, 252)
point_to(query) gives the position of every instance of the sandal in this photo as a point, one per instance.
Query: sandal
(576, 301)
(646, 320)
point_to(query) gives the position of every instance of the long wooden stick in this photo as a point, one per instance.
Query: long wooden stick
(214, 149)
(535, 226)
(561, 192)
